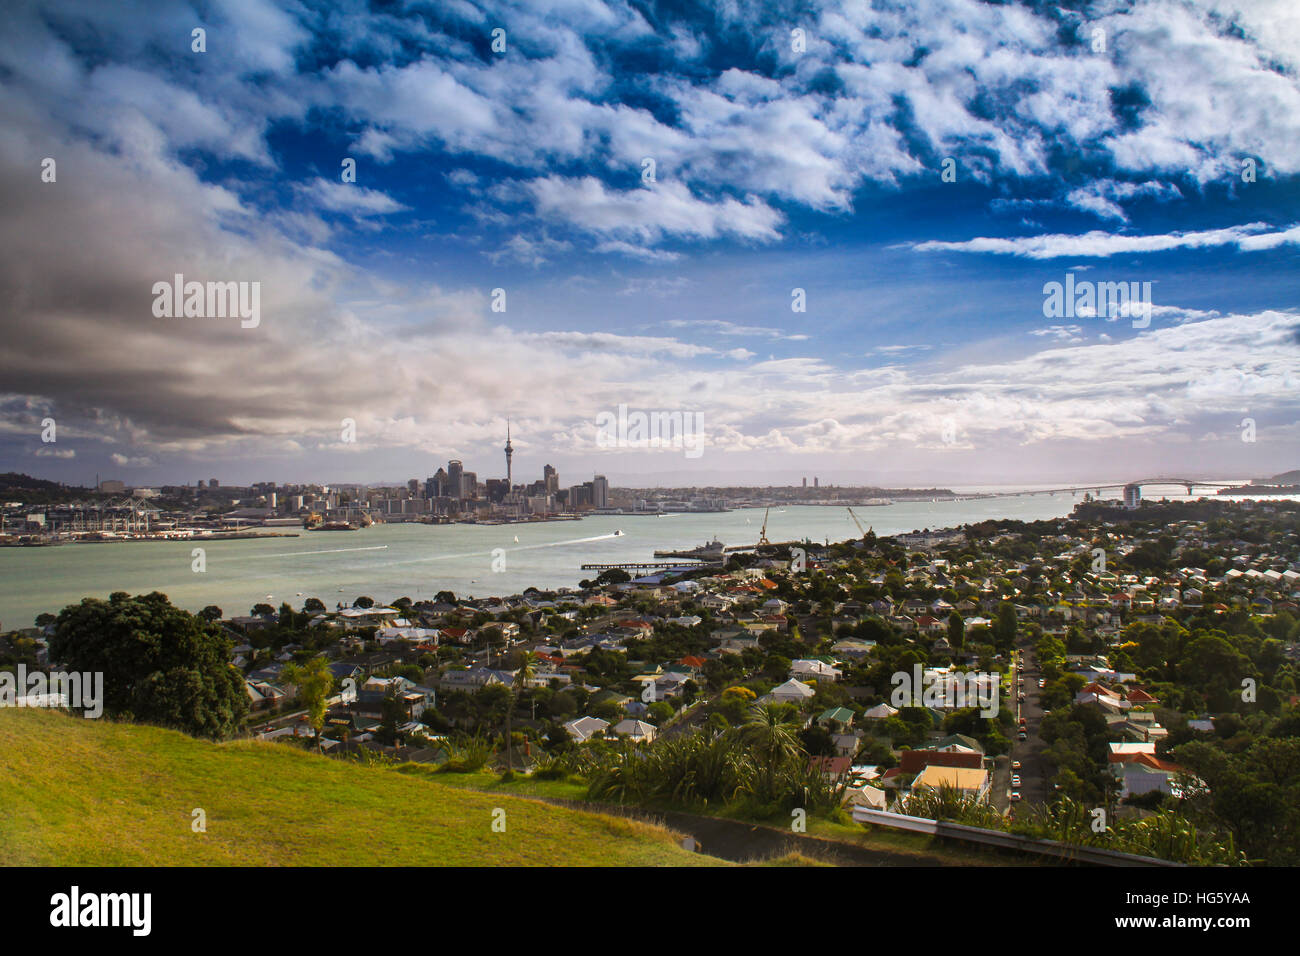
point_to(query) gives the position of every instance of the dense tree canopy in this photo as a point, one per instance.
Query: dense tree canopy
(161, 665)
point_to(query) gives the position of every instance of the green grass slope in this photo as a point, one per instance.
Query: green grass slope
(95, 793)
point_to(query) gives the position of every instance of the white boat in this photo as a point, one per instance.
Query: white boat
(618, 533)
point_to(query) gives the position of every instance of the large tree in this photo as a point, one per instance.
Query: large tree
(161, 664)
(313, 682)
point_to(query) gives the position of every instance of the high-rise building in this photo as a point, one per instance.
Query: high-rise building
(1132, 496)
(580, 496)
(600, 492)
(815, 481)
(469, 484)
(437, 486)
(805, 482)
(455, 478)
(551, 480)
(213, 483)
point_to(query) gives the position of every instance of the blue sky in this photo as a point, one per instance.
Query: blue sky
(1107, 140)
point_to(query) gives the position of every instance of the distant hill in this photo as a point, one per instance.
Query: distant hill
(79, 792)
(13, 480)
(1286, 478)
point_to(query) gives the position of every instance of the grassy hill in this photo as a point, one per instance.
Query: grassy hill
(94, 793)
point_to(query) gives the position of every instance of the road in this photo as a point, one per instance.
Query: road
(1034, 787)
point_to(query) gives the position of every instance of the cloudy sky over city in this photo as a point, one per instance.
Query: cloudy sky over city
(656, 190)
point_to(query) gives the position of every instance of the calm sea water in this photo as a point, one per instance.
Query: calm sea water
(417, 561)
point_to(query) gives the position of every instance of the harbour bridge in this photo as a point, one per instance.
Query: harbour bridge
(1191, 484)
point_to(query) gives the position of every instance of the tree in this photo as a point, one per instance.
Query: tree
(262, 610)
(613, 576)
(364, 602)
(660, 712)
(211, 613)
(314, 605)
(817, 741)
(314, 681)
(772, 736)
(524, 674)
(161, 664)
(444, 597)
(45, 620)
(1004, 626)
(956, 630)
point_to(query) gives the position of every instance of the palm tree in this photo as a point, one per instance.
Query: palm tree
(770, 733)
(527, 668)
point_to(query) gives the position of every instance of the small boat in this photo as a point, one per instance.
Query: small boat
(617, 534)
(516, 539)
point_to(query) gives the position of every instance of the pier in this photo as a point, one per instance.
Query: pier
(650, 566)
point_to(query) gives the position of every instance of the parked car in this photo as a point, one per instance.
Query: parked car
(1015, 795)
(1015, 780)
(1015, 765)
(1023, 736)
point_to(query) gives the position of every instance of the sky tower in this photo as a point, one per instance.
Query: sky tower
(510, 452)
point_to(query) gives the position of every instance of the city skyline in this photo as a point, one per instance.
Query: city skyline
(828, 236)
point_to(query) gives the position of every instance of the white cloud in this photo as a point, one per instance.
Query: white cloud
(1097, 244)
(650, 214)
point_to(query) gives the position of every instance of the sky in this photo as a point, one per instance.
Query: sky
(823, 233)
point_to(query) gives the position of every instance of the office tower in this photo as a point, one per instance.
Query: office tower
(213, 483)
(600, 492)
(815, 481)
(469, 484)
(439, 485)
(805, 482)
(413, 486)
(551, 480)
(455, 478)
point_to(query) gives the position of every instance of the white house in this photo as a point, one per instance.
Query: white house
(814, 670)
(791, 692)
(585, 728)
(636, 730)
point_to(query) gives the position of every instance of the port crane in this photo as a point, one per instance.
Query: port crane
(858, 523)
(762, 535)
